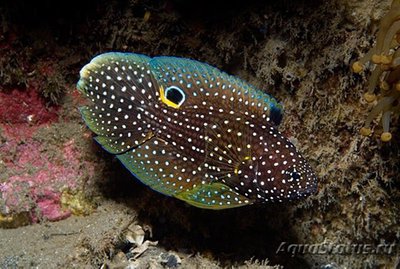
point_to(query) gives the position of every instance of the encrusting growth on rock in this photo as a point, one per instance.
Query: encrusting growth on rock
(386, 74)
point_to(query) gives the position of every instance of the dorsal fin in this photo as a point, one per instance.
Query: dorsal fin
(217, 88)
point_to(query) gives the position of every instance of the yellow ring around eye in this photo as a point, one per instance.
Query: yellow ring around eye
(166, 101)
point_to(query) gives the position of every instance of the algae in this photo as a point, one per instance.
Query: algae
(14, 221)
(77, 202)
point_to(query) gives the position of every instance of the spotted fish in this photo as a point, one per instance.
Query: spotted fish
(190, 131)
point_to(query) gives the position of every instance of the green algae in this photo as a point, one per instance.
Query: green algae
(12, 71)
(15, 220)
(77, 202)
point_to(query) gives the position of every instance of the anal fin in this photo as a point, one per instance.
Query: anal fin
(158, 165)
(214, 196)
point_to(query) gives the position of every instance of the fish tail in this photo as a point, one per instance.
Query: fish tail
(120, 86)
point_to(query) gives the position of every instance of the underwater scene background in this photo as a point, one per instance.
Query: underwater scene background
(74, 205)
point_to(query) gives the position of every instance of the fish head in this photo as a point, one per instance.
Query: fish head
(276, 171)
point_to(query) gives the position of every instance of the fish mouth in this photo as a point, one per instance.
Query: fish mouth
(296, 181)
(311, 184)
(307, 179)
(309, 190)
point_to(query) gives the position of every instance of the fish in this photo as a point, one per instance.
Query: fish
(190, 131)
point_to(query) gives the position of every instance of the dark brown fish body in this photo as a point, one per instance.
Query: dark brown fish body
(190, 131)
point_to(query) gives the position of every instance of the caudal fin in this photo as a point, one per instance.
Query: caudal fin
(122, 90)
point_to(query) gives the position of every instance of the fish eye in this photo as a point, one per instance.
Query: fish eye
(175, 95)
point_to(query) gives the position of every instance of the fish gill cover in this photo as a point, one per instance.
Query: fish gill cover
(190, 131)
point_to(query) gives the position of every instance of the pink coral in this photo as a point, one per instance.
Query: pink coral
(33, 182)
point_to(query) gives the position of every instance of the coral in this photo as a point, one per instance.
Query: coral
(24, 107)
(386, 74)
(37, 179)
